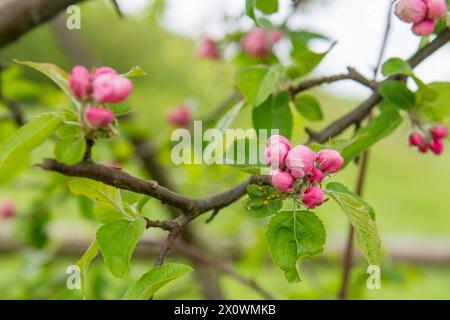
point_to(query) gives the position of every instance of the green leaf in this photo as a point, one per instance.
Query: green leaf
(263, 201)
(292, 237)
(85, 262)
(267, 6)
(70, 150)
(117, 241)
(117, 8)
(396, 66)
(15, 151)
(120, 109)
(142, 202)
(155, 279)
(309, 107)
(55, 73)
(256, 83)
(106, 215)
(362, 217)
(438, 109)
(136, 71)
(250, 9)
(398, 94)
(380, 127)
(229, 117)
(243, 155)
(274, 113)
(104, 195)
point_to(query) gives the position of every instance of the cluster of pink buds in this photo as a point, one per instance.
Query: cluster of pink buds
(208, 49)
(421, 13)
(180, 116)
(7, 209)
(102, 86)
(431, 140)
(300, 169)
(259, 43)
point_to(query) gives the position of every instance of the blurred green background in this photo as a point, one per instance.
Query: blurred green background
(408, 191)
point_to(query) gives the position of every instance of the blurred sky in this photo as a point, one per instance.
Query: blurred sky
(357, 25)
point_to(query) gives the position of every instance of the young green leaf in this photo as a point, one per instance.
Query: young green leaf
(396, 66)
(256, 83)
(154, 280)
(438, 109)
(136, 71)
(398, 93)
(142, 202)
(15, 151)
(102, 194)
(228, 118)
(274, 113)
(263, 201)
(117, 241)
(106, 215)
(250, 9)
(70, 150)
(292, 237)
(361, 216)
(243, 155)
(309, 107)
(267, 6)
(84, 264)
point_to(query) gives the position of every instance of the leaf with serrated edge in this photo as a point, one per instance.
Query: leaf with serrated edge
(85, 262)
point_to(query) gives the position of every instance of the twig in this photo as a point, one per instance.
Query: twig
(212, 216)
(173, 234)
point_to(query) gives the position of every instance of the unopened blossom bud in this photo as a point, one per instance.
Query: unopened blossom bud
(102, 70)
(437, 9)
(79, 82)
(7, 209)
(416, 139)
(180, 116)
(423, 148)
(275, 35)
(315, 176)
(313, 197)
(277, 138)
(207, 48)
(423, 28)
(330, 161)
(275, 154)
(99, 118)
(300, 161)
(439, 132)
(111, 88)
(282, 180)
(436, 146)
(411, 10)
(256, 44)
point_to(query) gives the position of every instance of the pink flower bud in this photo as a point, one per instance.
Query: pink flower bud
(423, 28)
(315, 176)
(79, 82)
(439, 132)
(282, 180)
(436, 146)
(103, 70)
(437, 9)
(99, 117)
(276, 153)
(7, 209)
(330, 161)
(180, 116)
(411, 10)
(256, 44)
(416, 139)
(275, 35)
(277, 138)
(111, 88)
(423, 148)
(300, 161)
(208, 49)
(313, 197)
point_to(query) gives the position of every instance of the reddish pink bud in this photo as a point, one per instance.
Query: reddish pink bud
(7, 209)
(111, 88)
(282, 180)
(423, 148)
(313, 197)
(276, 153)
(330, 161)
(437, 9)
(256, 44)
(439, 132)
(99, 117)
(275, 35)
(315, 176)
(180, 116)
(277, 138)
(103, 70)
(300, 161)
(436, 146)
(423, 28)
(79, 82)
(416, 139)
(411, 10)
(208, 49)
